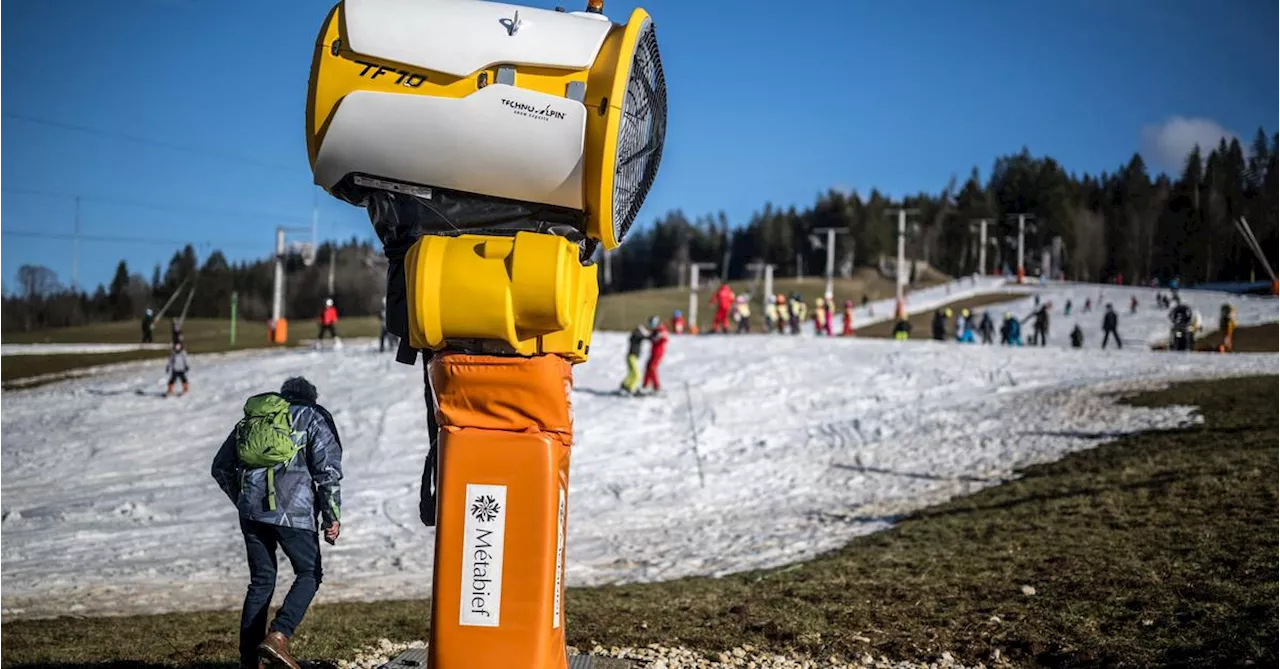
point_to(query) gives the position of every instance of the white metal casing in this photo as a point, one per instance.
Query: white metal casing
(502, 141)
(459, 37)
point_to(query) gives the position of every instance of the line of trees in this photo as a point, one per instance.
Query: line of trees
(1123, 224)
(41, 301)
(1118, 225)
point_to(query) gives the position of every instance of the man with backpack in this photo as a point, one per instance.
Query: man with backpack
(281, 466)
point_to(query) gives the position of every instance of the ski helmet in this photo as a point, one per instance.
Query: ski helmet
(677, 313)
(328, 302)
(654, 321)
(149, 312)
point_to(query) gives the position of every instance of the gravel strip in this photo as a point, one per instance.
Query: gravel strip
(656, 656)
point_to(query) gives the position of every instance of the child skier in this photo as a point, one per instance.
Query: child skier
(847, 330)
(1227, 323)
(1077, 337)
(964, 328)
(177, 368)
(742, 314)
(1011, 332)
(657, 347)
(677, 321)
(639, 336)
(820, 317)
(1067, 310)
(784, 314)
(798, 311)
(902, 329)
(770, 314)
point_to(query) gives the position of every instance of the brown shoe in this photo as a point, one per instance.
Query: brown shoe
(274, 650)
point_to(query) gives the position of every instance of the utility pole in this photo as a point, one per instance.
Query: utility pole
(694, 268)
(831, 255)
(768, 281)
(235, 297)
(277, 283)
(75, 251)
(899, 309)
(1022, 231)
(982, 245)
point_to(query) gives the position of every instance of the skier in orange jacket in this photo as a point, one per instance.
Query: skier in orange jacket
(723, 301)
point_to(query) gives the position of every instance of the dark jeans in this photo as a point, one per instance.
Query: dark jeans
(302, 547)
(1107, 335)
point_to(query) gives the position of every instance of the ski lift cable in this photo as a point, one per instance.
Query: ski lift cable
(1251, 241)
(174, 296)
(190, 296)
(1243, 226)
(1262, 258)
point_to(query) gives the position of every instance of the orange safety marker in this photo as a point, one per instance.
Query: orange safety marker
(506, 429)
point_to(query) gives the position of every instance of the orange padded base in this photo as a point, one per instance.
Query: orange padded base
(505, 435)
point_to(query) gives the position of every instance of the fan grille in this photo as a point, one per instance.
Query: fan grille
(640, 133)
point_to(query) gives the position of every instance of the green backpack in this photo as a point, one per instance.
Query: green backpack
(264, 437)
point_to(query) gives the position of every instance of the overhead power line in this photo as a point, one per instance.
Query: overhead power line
(158, 206)
(102, 132)
(128, 240)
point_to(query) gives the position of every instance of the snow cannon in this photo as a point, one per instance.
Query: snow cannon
(495, 148)
(515, 139)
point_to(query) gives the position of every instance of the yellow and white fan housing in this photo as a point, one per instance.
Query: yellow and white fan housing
(500, 111)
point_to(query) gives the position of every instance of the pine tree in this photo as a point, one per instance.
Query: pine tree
(118, 298)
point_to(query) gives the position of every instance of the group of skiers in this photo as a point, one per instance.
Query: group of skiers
(655, 332)
(783, 314)
(967, 332)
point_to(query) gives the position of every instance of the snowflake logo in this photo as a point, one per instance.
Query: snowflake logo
(485, 508)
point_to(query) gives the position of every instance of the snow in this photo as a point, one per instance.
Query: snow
(1149, 325)
(802, 443)
(62, 349)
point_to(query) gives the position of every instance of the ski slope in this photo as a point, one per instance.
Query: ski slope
(781, 448)
(1149, 326)
(64, 349)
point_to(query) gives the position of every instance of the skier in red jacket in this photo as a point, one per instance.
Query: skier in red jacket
(657, 347)
(723, 300)
(848, 319)
(329, 320)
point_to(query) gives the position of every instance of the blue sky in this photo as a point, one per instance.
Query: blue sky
(769, 102)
